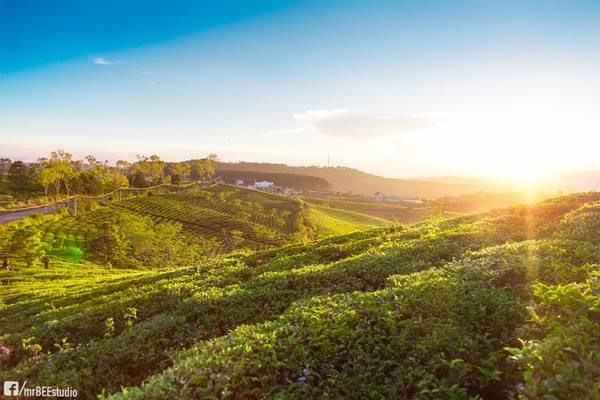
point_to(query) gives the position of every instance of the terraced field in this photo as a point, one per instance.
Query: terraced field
(499, 305)
(330, 221)
(391, 211)
(262, 219)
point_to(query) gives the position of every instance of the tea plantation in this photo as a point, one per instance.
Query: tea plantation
(395, 211)
(499, 305)
(329, 221)
(260, 219)
(217, 219)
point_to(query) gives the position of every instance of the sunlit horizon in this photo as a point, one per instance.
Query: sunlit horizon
(495, 91)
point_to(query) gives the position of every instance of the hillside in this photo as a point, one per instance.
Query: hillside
(503, 303)
(261, 218)
(352, 180)
(199, 223)
(401, 212)
(204, 222)
(329, 221)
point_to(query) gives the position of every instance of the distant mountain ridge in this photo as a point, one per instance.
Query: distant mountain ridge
(353, 180)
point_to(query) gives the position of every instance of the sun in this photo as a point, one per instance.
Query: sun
(520, 166)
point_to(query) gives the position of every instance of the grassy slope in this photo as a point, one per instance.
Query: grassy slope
(330, 221)
(368, 315)
(392, 211)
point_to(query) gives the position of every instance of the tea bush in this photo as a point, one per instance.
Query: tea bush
(497, 305)
(582, 223)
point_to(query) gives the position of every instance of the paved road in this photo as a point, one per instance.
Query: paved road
(7, 216)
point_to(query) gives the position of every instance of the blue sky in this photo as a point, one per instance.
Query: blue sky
(396, 88)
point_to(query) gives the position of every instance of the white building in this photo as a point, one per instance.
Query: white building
(264, 185)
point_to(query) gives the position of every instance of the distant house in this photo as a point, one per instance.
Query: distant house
(262, 185)
(379, 196)
(239, 182)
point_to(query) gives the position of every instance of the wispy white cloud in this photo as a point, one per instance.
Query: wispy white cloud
(102, 61)
(357, 125)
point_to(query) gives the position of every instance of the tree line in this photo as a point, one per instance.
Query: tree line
(60, 174)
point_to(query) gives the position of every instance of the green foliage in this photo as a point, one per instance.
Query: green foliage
(110, 243)
(398, 212)
(61, 175)
(425, 311)
(178, 171)
(147, 171)
(209, 221)
(348, 346)
(109, 325)
(129, 240)
(24, 240)
(562, 357)
(19, 173)
(218, 212)
(328, 221)
(203, 168)
(99, 179)
(582, 223)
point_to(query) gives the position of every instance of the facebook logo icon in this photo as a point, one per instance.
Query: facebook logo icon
(11, 388)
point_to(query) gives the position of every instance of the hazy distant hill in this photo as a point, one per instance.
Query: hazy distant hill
(352, 180)
(571, 181)
(578, 181)
(458, 180)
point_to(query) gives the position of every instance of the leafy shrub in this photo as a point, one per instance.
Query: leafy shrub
(430, 335)
(130, 240)
(561, 358)
(582, 223)
(316, 319)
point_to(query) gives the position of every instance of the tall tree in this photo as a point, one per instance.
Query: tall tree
(61, 162)
(18, 173)
(109, 245)
(47, 177)
(26, 242)
(179, 172)
(100, 177)
(148, 171)
(204, 168)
